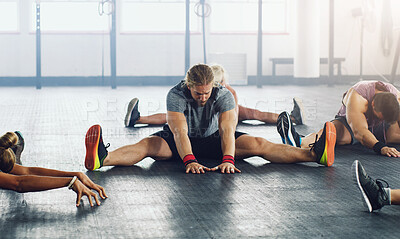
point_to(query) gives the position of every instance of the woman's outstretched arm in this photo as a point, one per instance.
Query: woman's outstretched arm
(22, 170)
(33, 183)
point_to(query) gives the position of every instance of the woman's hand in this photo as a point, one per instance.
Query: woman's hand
(91, 185)
(81, 190)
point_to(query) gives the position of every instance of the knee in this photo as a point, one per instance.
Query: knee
(144, 145)
(144, 142)
(261, 146)
(261, 143)
(155, 147)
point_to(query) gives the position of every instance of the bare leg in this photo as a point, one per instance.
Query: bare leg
(152, 146)
(253, 114)
(160, 118)
(343, 135)
(395, 196)
(248, 146)
(309, 139)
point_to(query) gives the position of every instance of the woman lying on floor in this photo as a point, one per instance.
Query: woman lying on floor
(31, 179)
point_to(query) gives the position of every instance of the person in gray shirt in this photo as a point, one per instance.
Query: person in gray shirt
(202, 121)
(134, 117)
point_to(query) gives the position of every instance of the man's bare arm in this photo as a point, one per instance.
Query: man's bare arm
(178, 125)
(227, 126)
(236, 100)
(356, 107)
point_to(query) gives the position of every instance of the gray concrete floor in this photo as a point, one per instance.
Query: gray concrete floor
(158, 200)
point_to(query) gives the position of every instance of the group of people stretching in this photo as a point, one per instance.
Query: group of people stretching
(200, 124)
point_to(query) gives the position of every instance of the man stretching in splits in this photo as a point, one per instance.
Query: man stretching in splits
(369, 115)
(244, 113)
(202, 120)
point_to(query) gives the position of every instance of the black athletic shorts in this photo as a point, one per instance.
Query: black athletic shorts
(378, 131)
(209, 147)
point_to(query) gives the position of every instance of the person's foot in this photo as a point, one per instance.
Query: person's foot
(297, 113)
(373, 193)
(132, 114)
(286, 130)
(96, 151)
(324, 147)
(19, 147)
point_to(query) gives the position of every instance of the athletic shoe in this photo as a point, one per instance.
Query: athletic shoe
(96, 152)
(373, 192)
(324, 148)
(132, 114)
(298, 111)
(286, 130)
(19, 147)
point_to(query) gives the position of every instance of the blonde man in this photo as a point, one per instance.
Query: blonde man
(201, 117)
(244, 113)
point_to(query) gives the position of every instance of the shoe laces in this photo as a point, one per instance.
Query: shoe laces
(312, 145)
(380, 183)
(105, 146)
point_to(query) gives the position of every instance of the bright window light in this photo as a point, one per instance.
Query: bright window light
(242, 16)
(8, 16)
(156, 16)
(275, 16)
(62, 16)
(234, 16)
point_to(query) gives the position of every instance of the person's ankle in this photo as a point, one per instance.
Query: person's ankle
(313, 155)
(105, 161)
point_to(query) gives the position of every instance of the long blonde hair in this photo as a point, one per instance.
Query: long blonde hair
(219, 73)
(7, 156)
(200, 74)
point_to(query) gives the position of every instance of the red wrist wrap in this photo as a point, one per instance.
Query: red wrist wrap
(190, 158)
(228, 159)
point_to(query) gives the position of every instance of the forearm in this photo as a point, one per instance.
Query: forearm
(365, 137)
(227, 127)
(228, 140)
(178, 125)
(182, 144)
(40, 183)
(51, 172)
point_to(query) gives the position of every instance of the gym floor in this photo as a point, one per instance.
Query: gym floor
(158, 200)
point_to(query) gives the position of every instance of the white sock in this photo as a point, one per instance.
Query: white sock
(387, 190)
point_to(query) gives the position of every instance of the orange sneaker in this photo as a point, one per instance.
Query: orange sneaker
(96, 152)
(324, 147)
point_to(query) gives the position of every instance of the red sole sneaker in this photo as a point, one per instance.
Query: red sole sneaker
(330, 143)
(92, 139)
